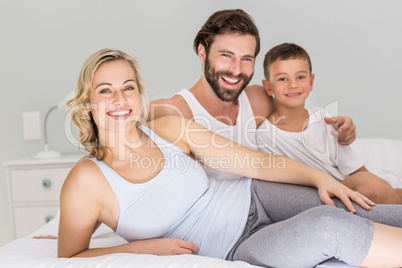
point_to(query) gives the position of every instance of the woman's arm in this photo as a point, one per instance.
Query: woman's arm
(219, 153)
(157, 246)
(79, 210)
(81, 206)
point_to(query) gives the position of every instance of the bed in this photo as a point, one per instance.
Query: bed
(382, 157)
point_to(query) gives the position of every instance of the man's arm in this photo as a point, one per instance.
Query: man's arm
(262, 104)
(345, 129)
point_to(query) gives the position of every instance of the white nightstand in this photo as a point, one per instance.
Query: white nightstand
(34, 188)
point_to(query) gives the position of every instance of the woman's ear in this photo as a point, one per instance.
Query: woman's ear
(267, 87)
(202, 55)
(87, 107)
(87, 110)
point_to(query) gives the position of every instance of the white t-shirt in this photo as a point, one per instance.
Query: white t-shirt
(315, 146)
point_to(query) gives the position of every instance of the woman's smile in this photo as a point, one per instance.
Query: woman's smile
(120, 114)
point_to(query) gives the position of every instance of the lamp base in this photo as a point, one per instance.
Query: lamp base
(46, 154)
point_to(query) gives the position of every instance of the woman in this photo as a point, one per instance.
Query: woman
(141, 181)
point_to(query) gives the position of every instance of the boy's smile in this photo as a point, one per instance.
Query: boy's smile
(290, 82)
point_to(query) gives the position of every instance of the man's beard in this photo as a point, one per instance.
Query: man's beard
(222, 93)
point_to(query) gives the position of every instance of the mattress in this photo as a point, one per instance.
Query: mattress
(381, 156)
(31, 252)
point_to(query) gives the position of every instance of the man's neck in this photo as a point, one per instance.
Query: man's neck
(223, 111)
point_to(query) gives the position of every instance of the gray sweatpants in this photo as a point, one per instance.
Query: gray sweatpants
(289, 226)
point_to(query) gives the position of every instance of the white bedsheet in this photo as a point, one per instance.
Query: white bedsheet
(30, 252)
(41, 253)
(382, 157)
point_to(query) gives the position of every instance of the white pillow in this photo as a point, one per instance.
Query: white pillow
(382, 157)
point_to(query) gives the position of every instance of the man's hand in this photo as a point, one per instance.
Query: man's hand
(345, 129)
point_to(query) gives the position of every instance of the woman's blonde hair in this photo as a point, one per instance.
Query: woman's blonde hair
(81, 115)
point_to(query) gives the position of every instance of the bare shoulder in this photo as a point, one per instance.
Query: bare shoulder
(258, 96)
(80, 200)
(261, 103)
(173, 129)
(83, 175)
(84, 189)
(166, 125)
(176, 105)
(85, 166)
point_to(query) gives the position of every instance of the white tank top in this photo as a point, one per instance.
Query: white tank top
(244, 132)
(181, 202)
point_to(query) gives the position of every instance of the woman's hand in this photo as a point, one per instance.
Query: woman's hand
(329, 188)
(155, 246)
(45, 237)
(165, 246)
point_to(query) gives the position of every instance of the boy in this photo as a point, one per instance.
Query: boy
(302, 134)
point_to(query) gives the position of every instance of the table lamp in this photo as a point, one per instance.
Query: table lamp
(46, 153)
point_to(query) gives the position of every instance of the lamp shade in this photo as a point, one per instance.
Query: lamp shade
(62, 104)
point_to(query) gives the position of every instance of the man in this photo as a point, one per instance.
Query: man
(227, 46)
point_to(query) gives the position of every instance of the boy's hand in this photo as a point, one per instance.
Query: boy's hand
(345, 129)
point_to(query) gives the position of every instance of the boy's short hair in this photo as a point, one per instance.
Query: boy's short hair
(285, 51)
(226, 22)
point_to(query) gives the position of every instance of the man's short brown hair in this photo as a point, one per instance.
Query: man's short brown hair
(226, 22)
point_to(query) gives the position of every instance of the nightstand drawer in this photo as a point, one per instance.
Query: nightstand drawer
(29, 219)
(34, 190)
(37, 185)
